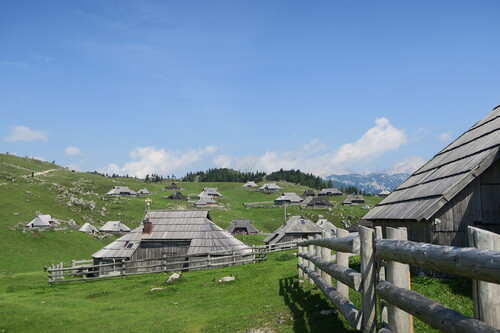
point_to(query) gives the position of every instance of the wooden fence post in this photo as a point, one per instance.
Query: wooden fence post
(326, 255)
(397, 273)
(317, 252)
(485, 295)
(301, 261)
(368, 273)
(343, 260)
(310, 264)
(381, 277)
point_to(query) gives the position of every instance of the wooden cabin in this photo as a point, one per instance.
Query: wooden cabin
(249, 184)
(242, 227)
(211, 192)
(172, 186)
(353, 200)
(296, 228)
(316, 202)
(42, 221)
(271, 187)
(329, 192)
(288, 198)
(121, 190)
(168, 233)
(308, 193)
(177, 196)
(88, 229)
(114, 227)
(457, 188)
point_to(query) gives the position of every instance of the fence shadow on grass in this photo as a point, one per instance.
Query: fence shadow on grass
(306, 307)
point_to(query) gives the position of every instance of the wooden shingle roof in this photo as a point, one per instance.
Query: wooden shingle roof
(295, 225)
(244, 224)
(193, 225)
(445, 175)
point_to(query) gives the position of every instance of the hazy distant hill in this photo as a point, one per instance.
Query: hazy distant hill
(372, 183)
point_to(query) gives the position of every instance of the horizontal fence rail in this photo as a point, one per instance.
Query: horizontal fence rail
(85, 270)
(384, 272)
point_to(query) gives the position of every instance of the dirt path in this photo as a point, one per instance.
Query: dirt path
(44, 172)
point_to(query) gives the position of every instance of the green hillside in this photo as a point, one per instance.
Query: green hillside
(29, 187)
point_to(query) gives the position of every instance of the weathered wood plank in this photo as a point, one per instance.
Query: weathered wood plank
(326, 255)
(345, 274)
(344, 305)
(486, 296)
(344, 243)
(397, 273)
(367, 237)
(343, 260)
(430, 311)
(467, 262)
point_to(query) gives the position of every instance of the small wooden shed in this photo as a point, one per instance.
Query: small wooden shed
(296, 228)
(353, 200)
(271, 187)
(316, 202)
(88, 229)
(42, 221)
(242, 227)
(330, 192)
(457, 188)
(288, 198)
(121, 190)
(177, 196)
(114, 227)
(172, 186)
(211, 192)
(249, 184)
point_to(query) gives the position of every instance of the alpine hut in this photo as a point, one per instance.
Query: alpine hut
(177, 196)
(383, 193)
(88, 229)
(272, 187)
(242, 227)
(172, 186)
(211, 192)
(142, 192)
(42, 221)
(308, 193)
(288, 198)
(114, 227)
(457, 188)
(249, 184)
(296, 228)
(316, 202)
(327, 226)
(329, 192)
(353, 200)
(121, 190)
(206, 201)
(165, 234)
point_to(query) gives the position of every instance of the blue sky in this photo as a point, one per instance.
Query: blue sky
(137, 87)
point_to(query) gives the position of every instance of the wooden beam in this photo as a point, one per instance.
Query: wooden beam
(464, 261)
(367, 237)
(344, 305)
(345, 274)
(430, 311)
(345, 243)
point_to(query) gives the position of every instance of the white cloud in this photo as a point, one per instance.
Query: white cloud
(223, 161)
(409, 165)
(374, 143)
(23, 133)
(444, 137)
(72, 151)
(148, 160)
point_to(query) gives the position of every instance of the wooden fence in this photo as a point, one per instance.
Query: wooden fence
(85, 270)
(384, 271)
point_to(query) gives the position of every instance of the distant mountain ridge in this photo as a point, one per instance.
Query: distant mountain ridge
(372, 183)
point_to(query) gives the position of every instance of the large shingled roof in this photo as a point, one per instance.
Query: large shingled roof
(445, 175)
(168, 225)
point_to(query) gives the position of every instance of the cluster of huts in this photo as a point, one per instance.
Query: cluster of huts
(126, 191)
(309, 199)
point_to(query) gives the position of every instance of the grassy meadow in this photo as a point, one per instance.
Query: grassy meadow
(264, 298)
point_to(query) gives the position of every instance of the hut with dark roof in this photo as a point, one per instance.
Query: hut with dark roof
(242, 227)
(172, 186)
(177, 196)
(457, 188)
(316, 202)
(168, 233)
(308, 193)
(353, 200)
(329, 192)
(296, 228)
